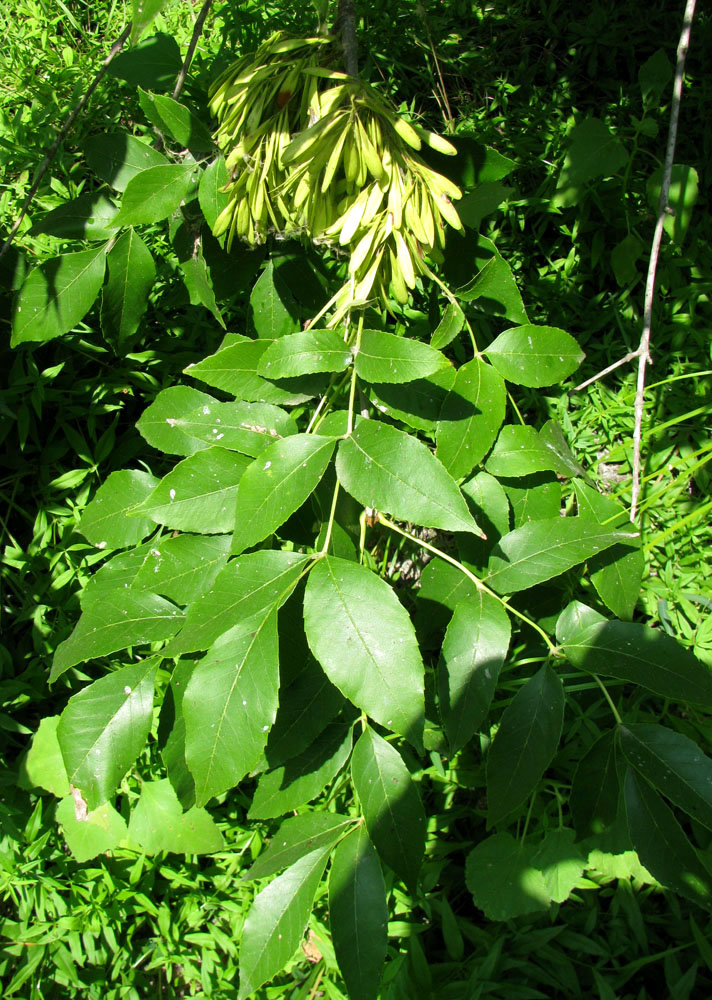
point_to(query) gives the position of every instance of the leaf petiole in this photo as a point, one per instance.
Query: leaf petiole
(471, 576)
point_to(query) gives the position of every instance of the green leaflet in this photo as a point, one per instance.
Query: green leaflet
(540, 550)
(272, 306)
(142, 14)
(533, 497)
(57, 295)
(535, 356)
(476, 643)
(229, 706)
(87, 217)
(508, 878)
(364, 640)
(158, 424)
(595, 788)
(452, 321)
(124, 299)
(104, 522)
(108, 626)
(417, 403)
(635, 653)
(389, 470)
(276, 921)
(43, 767)
(276, 484)
(391, 804)
(358, 915)
(673, 764)
(155, 193)
(297, 836)
(593, 152)
(234, 369)
(118, 573)
(183, 568)
(199, 283)
(245, 427)
(243, 595)
(199, 493)
(302, 778)
(616, 574)
(104, 727)
(99, 831)
(211, 198)
(116, 157)
(661, 843)
(154, 62)
(521, 450)
(304, 354)
(470, 418)
(501, 876)
(384, 357)
(308, 699)
(177, 120)
(171, 734)
(494, 287)
(526, 741)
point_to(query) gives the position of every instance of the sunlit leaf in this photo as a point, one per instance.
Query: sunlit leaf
(361, 635)
(276, 921)
(391, 805)
(104, 728)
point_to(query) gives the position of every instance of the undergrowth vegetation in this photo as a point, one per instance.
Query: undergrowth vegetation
(544, 719)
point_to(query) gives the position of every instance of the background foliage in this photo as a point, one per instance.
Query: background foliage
(519, 79)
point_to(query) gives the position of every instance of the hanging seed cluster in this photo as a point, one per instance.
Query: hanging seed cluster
(311, 149)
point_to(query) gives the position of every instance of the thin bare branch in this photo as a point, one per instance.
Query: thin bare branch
(606, 371)
(643, 351)
(346, 25)
(199, 22)
(62, 134)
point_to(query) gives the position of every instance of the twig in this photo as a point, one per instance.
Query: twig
(446, 111)
(606, 371)
(346, 25)
(644, 348)
(61, 135)
(199, 22)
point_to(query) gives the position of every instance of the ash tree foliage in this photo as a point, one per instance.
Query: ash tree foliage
(241, 632)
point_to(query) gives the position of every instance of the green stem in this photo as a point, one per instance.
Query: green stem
(528, 817)
(470, 576)
(453, 300)
(352, 390)
(332, 515)
(608, 698)
(515, 407)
